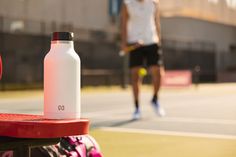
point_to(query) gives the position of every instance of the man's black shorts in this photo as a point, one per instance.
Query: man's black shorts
(146, 56)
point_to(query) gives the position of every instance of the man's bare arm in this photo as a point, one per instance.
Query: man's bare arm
(157, 20)
(124, 19)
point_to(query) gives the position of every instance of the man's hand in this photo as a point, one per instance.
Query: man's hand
(127, 49)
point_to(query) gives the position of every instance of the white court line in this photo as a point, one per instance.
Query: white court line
(168, 133)
(197, 120)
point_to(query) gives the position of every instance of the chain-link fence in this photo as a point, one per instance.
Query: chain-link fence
(23, 45)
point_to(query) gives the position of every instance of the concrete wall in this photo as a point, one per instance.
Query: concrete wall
(93, 14)
(192, 30)
(89, 14)
(221, 12)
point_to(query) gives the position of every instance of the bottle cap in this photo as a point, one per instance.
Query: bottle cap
(68, 36)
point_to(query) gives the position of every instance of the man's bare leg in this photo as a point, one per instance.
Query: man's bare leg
(156, 81)
(136, 81)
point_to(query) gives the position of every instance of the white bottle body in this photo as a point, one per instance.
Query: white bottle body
(62, 82)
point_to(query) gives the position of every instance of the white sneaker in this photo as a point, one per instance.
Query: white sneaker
(136, 115)
(158, 109)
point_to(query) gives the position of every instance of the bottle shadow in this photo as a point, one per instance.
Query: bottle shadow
(112, 123)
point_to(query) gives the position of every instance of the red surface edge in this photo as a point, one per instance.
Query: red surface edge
(35, 126)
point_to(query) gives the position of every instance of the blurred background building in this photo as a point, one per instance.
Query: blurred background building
(195, 33)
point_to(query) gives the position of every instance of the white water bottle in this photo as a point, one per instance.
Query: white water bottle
(62, 78)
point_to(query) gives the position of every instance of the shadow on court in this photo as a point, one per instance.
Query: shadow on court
(111, 123)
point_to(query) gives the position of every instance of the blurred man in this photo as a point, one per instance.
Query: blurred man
(140, 23)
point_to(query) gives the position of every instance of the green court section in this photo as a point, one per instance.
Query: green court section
(122, 144)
